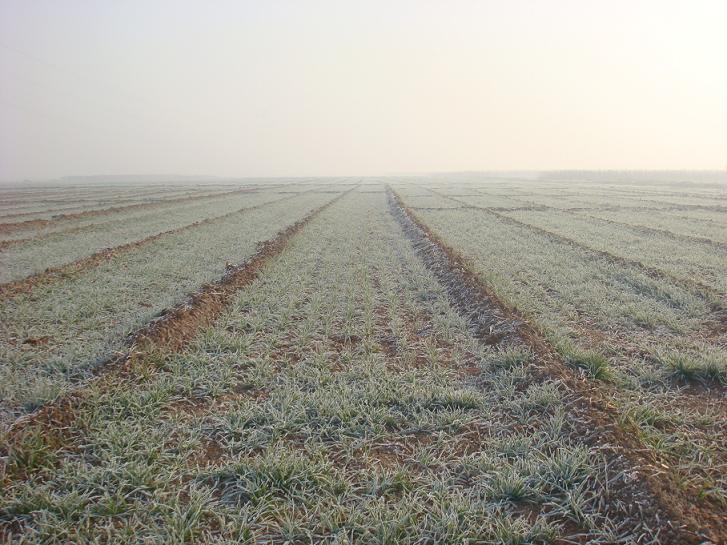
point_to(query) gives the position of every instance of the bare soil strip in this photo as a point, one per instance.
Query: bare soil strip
(170, 332)
(655, 494)
(29, 224)
(11, 289)
(4, 244)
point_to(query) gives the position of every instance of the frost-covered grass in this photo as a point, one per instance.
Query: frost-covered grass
(34, 256)
(72, 202)
(159, 206)
(688, 260)
(708, 224)
(647, 337)
(85, 318)
(571, 290)
(595, 196)
(330, 404)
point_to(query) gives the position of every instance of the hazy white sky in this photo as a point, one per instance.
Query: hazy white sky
(341, 87)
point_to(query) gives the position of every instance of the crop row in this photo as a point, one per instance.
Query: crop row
(706, 224)
(709, 225)
(341, 399)
(84, 237)
(645, 336)
(54, 334)
(70, 201)
(681, 257)
(72, 204)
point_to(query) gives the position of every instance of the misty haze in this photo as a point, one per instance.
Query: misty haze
(317, 272)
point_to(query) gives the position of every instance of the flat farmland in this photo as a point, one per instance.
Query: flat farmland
(384, 361)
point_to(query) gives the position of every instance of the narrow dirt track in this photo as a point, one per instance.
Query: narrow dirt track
(654, 496)
(11, 289)
(4, 244)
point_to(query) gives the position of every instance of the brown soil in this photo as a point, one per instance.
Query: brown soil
(648, 496)
(13, 242)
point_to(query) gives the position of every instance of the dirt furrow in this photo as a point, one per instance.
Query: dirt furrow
(11, 289)
(29, 224)
(654, 495)
(4, 244)
(170, 332)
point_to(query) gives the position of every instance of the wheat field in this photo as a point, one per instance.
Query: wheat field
(464, 359)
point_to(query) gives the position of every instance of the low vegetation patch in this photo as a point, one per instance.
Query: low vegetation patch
(489, 370)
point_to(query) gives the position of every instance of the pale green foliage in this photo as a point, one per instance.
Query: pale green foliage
(341, 399)
(638, 308)
(86, 318)
(327, 405)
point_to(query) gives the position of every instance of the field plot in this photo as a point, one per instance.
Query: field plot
(16, 209)
(368, 361)
(708, 225)
(58, 326)
(80, 238)
(640, 311)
